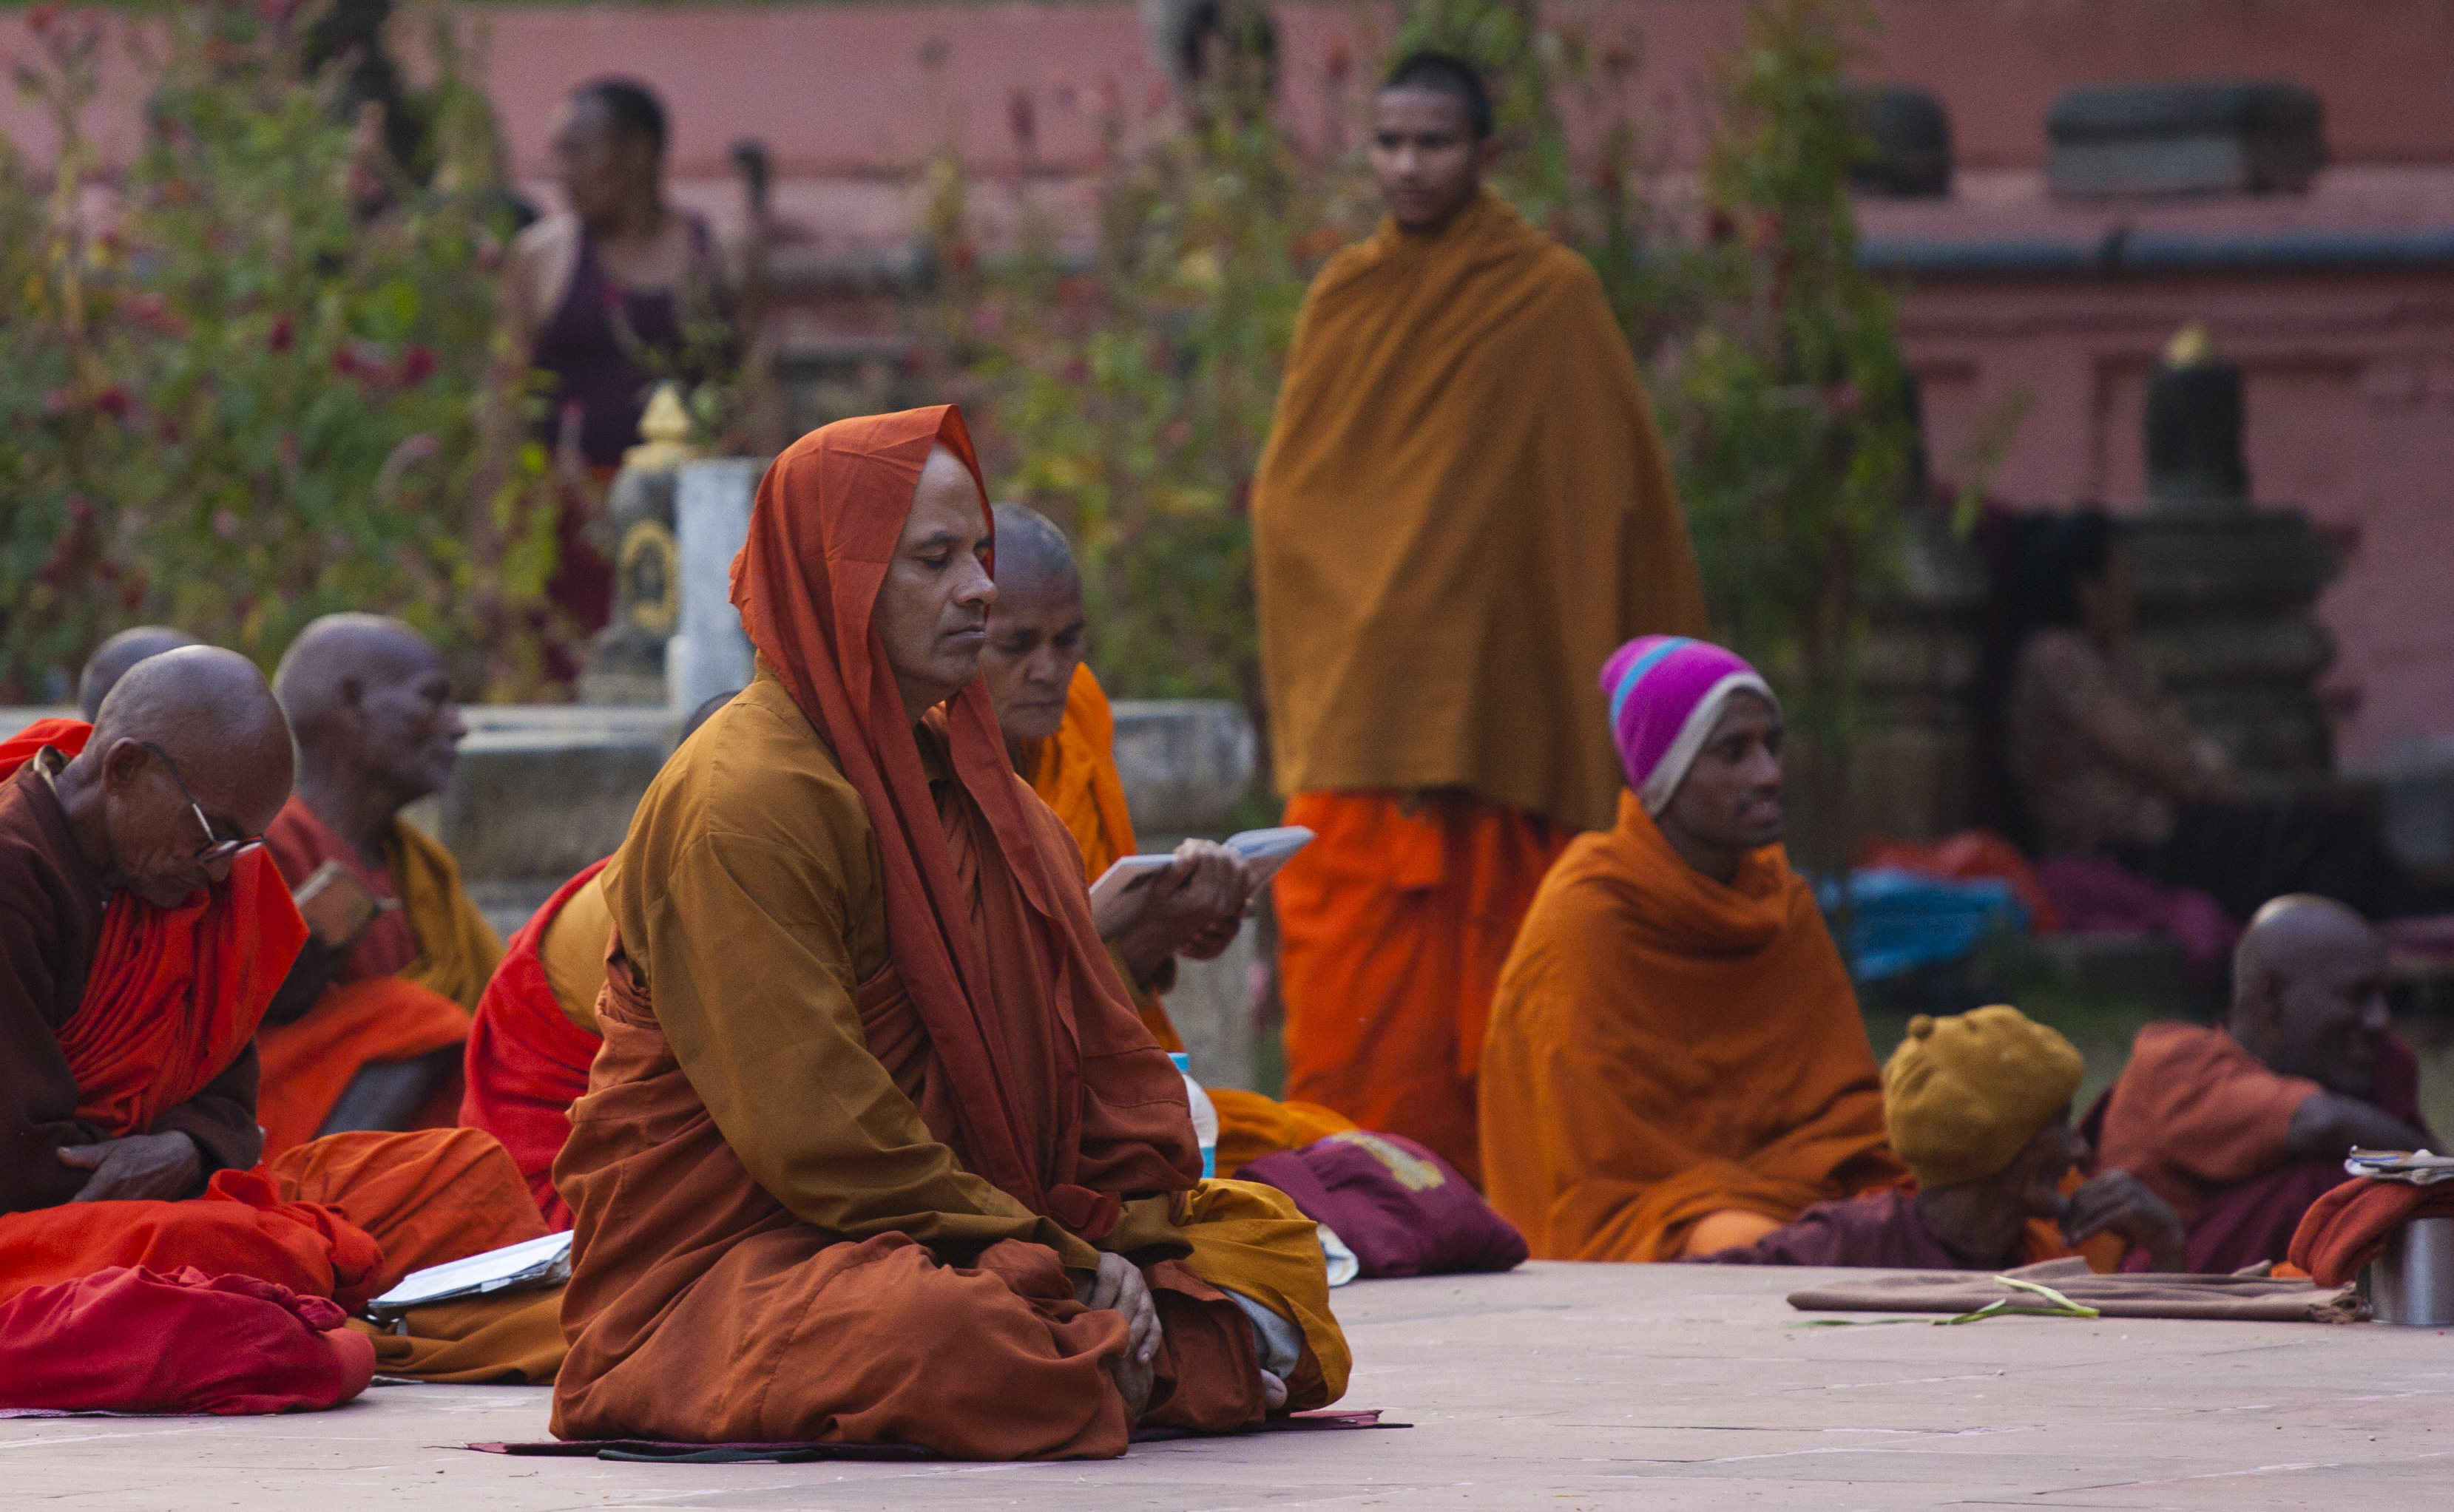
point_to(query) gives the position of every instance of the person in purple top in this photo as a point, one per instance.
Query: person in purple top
(1979, 1109)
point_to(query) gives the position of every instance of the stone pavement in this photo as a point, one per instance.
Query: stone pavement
(1559, 1386)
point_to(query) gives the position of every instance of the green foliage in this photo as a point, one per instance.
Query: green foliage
(1125, 387)
(230, 398)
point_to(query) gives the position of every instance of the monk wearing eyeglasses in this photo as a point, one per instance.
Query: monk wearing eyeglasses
(366, 1033)
(144, 928)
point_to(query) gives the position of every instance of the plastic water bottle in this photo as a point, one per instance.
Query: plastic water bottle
(1205, 1116)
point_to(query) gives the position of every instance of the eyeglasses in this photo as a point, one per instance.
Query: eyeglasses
(215, 848)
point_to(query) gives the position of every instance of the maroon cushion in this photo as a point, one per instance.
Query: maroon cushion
(1403, 1210)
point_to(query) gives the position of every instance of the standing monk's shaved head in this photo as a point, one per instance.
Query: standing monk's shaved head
(113, 657)
(1036, 631)
(2309, 992)
(189, 751)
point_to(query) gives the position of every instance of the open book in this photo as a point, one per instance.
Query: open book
(1264, 851)
(514, 1268)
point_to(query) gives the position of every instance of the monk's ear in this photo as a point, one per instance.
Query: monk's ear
(124, 764)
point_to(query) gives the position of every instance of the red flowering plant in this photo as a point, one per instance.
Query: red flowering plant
(237, 389)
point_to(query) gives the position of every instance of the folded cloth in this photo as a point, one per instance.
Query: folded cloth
(2345, 1228)
(2238, 1299)
(1401, 1208)
(126, 1339)
(510, 1339)
(2094, 895)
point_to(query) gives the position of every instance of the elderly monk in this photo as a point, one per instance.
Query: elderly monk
(2240, 1126)
(1061, 737)
(535, 1033)
(1676, 1063)
(146, 933)
(113, 657)
(1460, 441)
(366, 1032)
(876, 1150)
(1978, 1108)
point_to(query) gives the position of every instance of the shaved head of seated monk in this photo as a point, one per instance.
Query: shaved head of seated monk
(113, 657)
(2309, 1000)
(1676, 1063)
(371, 701)
(187, 765)
(1034, 667)
(1432, 141)
(1978, 1108)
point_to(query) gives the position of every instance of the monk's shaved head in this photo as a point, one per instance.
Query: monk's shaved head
(113, 657)
(371, 701)
(188, 749)
(1033, 555)
(1036, 629)
(2309, 991)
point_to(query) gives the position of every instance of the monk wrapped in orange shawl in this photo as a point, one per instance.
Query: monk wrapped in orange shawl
(876, 1149)
(1061, 734)
(369, 1037)
(1676, 1063)
(1462, 509)
(2243, 1125)
(136, 971)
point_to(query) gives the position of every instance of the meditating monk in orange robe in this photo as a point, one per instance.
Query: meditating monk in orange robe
(877, 1149)
(1463, 506)
(2242, 1126)
(1677, 1064)
(146, 933)
(1061, 735)
(366, 1033)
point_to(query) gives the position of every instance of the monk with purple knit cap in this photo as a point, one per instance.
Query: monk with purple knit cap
(1675, 1062)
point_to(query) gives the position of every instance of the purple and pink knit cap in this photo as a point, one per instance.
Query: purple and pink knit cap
(1667, 693)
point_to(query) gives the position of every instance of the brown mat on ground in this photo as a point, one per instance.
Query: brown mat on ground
(512, 1340)
(2241, 1299)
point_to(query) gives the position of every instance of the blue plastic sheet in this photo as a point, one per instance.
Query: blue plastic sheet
(1901, 920)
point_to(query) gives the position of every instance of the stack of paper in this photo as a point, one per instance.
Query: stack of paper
(538, 1263)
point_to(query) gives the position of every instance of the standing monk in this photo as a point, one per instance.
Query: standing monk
(1061, 736)
(876, 1150)
(1677, 1064)
(366, 1032)
(1463, 508)
(2242, 1126)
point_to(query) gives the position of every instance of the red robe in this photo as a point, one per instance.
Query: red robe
(526, 1062)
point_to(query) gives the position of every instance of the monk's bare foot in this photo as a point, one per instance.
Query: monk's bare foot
(1134, 1378)
(1273, 1391)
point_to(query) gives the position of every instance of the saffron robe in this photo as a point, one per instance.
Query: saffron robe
(1663, 1047)
(1392, 928)
(534, 1037)
(406, 990)
(1074, 771)
(2203, 1123)
(1462, 511)
(869, 1085)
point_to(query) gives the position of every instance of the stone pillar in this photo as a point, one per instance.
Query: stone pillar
(710, 653)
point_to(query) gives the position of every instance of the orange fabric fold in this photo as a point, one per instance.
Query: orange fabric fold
(2195, 1115)
(1251, 1126)
(1462, 511)
(1663, 1047)
(309, 1063)
(1075, 774)
(1393, 926)
(527, 1063)
(175, 994)
(428, 1197)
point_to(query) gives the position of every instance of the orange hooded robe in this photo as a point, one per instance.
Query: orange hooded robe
(1663, 1047)
(870, 1088)
(1462, 511)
